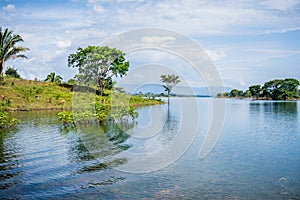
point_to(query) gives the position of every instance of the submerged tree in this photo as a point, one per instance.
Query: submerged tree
(8, 48)
(170, 81)
(98, 65)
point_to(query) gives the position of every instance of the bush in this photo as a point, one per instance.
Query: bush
(12, 73)
(6, 121)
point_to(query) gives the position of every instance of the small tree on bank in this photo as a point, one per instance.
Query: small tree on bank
(98, 65)
(255, 91)
(12, 72)
(170, 80)
(52, 78)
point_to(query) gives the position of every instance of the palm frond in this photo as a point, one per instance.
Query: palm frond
(8, 48)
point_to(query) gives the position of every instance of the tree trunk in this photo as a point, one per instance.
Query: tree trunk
(100, 86)
(1, 70)
(1, 66)
(168, 97)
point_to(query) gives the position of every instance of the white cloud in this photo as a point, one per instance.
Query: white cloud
(9, 8)
(52, 32)
(99, 9)
(280, 4)
(157, 39)
(29, 60)
(216, 54)
(64, 44)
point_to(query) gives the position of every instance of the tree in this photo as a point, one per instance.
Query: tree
(281, 89)
(52, 78)
(12, 72)
(71, 81)
(270, 89)
(8, 48)
(247, 94)
(255, 90)
(98, 65)
(290, 86)
(170, 81)
(236, 93)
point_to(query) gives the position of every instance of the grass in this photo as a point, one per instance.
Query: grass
(26, 95)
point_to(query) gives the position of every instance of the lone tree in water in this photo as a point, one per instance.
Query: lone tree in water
(8, 48)
(98, 65)
(170, 81)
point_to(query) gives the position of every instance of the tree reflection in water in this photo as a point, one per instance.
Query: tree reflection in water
(9, 158)
(100, 143)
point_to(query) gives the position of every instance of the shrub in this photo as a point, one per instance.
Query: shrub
(6, 121)
(12, 73)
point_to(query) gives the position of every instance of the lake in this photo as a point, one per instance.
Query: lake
(256, 155)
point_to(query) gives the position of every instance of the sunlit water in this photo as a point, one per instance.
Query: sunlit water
(256, 157)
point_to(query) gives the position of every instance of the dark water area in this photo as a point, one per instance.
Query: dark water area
(257, 155)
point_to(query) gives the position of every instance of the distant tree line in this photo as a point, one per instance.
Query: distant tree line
(277, 89)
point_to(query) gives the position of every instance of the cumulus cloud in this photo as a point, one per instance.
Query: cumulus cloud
(62, 29)
(9, 8)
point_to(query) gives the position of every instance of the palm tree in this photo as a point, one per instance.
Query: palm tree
(170, 81)
(52, 78)
(8, 48)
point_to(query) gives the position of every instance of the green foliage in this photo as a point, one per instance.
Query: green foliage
(12, 72)
(170, 80)
(39, 90)
(71, 81)
(247, 94)
(52, 78)
(6, 121)
(255, 90)
(278, 89)
(236, 93)
(281, 89)
(102, 113)
(8, 48)
(97, 65)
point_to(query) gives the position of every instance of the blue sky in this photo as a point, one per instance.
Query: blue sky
(248, 41)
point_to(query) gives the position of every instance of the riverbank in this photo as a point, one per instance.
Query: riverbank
(28, 95)
(257, 99)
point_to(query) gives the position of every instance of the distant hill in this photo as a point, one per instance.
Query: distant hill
(178, 90)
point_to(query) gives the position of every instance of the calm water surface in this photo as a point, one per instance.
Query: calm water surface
(256, 157)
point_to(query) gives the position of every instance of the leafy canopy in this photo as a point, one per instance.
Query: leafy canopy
(52, 78)
(98, 65)
(281, 89)
(255, 90)
(170, 81)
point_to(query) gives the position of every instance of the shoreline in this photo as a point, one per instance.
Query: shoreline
(69, 109)
(253, 99)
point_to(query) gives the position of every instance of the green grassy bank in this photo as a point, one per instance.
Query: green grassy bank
(26, 95)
